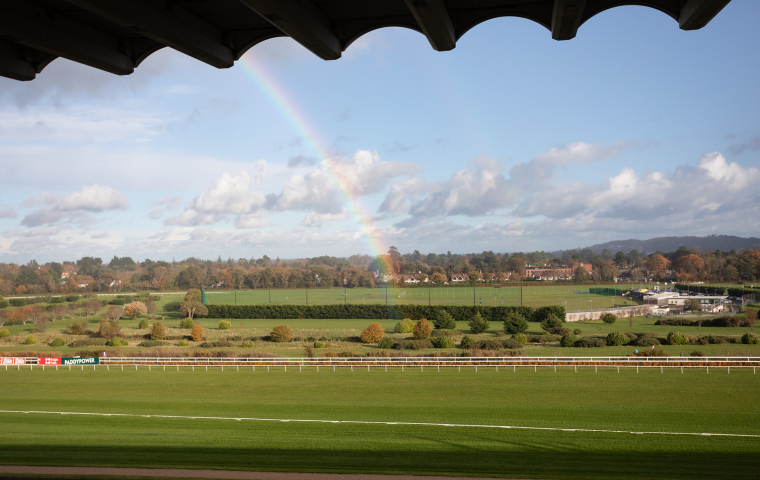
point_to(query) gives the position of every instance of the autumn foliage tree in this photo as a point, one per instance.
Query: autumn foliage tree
(193, 304)
(422, 329)
(197, 333)
(134, 309)
(158, 331)
(657, 264)
(281, 333)
(372, 334)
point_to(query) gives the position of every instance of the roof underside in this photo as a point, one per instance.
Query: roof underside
(117, 35)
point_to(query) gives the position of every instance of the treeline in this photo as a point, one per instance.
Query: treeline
(381, 312)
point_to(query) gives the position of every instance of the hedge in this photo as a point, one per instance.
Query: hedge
(706, 289)
(725, 321)
(17, 302)
(379, 312)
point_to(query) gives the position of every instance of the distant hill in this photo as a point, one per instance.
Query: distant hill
(724, 243)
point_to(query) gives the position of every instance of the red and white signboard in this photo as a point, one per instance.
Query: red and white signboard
(12, 361)
(48, 361)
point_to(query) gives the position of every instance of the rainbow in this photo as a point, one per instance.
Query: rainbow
(287, 107)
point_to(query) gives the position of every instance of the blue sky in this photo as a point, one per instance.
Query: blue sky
(510, 142)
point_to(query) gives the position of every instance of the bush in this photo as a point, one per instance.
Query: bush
(183, 343)
(577, 331)
(17, 302)
(387, 343)
(73, 298)
(3, 303)
(151, 343)
(675, 338)
(609, 318)
(445, 321)
(281, 333)
(57, 342)
(466, 340)
(108, 330)
(56, 300)
(443, 342)
(750, 338)
(568, 340)
(487, 344)
(186, 323)
(515, 323)
(4, 332)
(117, 301)
(542, 313)
(650, 353)
(551, 321)
(590, 342)
(646, 341)
(323, 344)
(559, 331)
(511, 343)
(196, 333)
(421, 330)
(225, 325)
(373, 333)
(158, 331)
(446, 333)
(117, 342)
(88, 342)
(478, 324)
(31, 340)
(632, 337)
(697, 353)
(616, 339)
(143, 324)
(713, 340)
(419, 344)
(521, 337)
(404, 326)
(216, 344)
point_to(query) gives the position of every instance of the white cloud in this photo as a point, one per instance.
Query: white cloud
(319, 218)
(90, 199)
(7, 212)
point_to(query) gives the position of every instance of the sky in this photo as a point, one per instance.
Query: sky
(510, 142)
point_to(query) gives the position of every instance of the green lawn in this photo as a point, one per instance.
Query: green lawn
(646, 402)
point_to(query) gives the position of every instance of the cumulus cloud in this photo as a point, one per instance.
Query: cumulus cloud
(167, 204)
(90, 199)
(319, 218)
(230, 195)
(7, 212)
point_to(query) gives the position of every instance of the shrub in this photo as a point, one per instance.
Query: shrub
(373, 333)
(443, 342)
(632, 337)
(3, 303)
(444, 320)
(750, 338)
(478, 324)
(17, 302)
(73, 298)
(31, 340)
(151, 343)
(542, 313)
(404, 326)
(117, 301)
(609, 318)
(559, 331)
(186, 323)
(421, 330)
(419, 344)
(515, 323)
(57, 342)
(646, 341)
(108, 330)
(281, 333)
(323, 344)
(615, 339)
(568, 340)
(88, 342)
(520, 337)
(158, 331)
(143, 324)
(511, 343)
(577, 331)
(196, 333)
(697, 353)
(466, 340)
(216, 344)
(184, 343)
(713, 340)
(4, 332)
(225, 324)
(387, 343)
(675, 338)
(446, 333)
(551, 321)
(500, 334)
(56, 300)
(590, 342)
(117, 342)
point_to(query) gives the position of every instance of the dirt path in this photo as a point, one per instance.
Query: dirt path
(224, 474)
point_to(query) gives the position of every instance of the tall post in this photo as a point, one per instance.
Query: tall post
(345, 297)
(428, 295)
(235, 297)
(307, 295)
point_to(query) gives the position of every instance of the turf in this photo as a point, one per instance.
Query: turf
(649, 401)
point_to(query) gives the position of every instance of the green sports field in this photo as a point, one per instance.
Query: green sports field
(572, 297)
(692, 402)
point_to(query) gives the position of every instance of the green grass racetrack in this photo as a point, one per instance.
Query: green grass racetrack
(649, 401)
